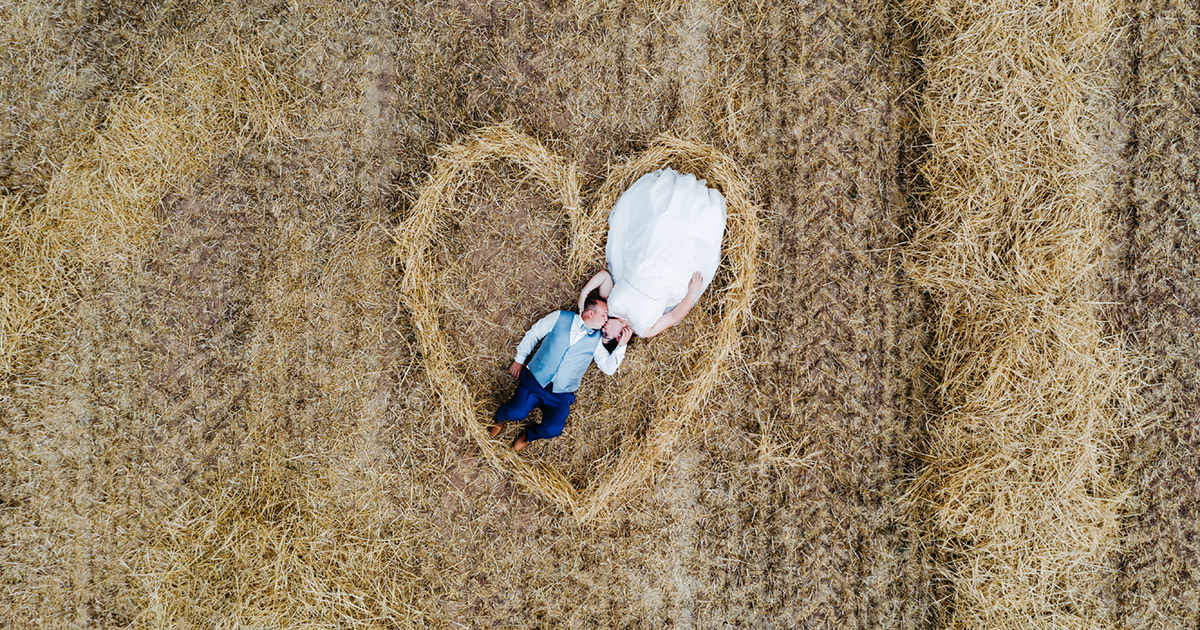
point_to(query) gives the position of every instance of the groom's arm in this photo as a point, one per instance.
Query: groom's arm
(531, 339)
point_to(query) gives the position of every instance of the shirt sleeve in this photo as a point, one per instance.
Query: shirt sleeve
(608, 363)
(535, 334)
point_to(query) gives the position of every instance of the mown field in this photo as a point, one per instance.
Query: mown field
(1158, 306)
(216, 410)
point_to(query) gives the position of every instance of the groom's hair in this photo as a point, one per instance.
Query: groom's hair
(593, 299)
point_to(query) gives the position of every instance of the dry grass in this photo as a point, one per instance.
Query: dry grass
(1031, 394)
(1157, 583)
(99, 204)
(223, 415)
(683, 380)
(272, 539)
(238, 429)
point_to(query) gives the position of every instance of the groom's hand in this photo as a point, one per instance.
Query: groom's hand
(515, 369)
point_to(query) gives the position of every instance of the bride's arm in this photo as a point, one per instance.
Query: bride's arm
(602, 281)
(679, 312)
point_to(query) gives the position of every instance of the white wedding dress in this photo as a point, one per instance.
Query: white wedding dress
(665, 227)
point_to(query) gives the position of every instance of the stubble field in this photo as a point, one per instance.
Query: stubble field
(217, 411)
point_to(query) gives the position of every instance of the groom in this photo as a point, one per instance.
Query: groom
(569, 343)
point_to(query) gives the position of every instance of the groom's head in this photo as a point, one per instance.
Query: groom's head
(595, 312)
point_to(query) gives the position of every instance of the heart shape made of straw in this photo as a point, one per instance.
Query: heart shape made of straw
(676, 407)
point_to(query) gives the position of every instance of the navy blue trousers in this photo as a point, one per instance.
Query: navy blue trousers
(530, 394)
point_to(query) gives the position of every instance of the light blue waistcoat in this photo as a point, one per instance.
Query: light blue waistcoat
(557, 361)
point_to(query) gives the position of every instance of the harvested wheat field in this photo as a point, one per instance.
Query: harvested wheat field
(266, 264)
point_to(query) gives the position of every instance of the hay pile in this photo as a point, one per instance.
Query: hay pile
(99, 205)
(682, 378)
(1019, 492)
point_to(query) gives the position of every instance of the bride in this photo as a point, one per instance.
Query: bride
(664, 245)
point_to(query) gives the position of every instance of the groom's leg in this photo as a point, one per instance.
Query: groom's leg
(523, 399)
(555, 408)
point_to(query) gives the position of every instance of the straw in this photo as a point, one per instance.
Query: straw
(685, 382)
(1019, 492)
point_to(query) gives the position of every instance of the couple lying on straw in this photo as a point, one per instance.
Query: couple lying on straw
(664, 245)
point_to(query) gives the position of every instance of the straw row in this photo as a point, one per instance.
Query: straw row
(1019, 491)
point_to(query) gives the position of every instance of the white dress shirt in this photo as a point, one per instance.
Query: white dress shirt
(608, 363)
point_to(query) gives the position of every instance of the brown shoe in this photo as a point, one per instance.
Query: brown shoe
(520, 443)
(495, 429)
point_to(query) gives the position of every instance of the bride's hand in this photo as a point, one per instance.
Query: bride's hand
(695, 283)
